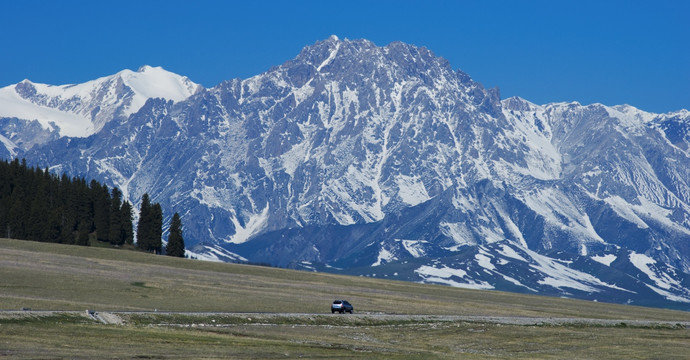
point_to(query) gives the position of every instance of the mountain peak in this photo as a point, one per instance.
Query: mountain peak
(79, 110)
(145, 68)
(156, 82)
(325, 46)
(518, 104)
(345, 58)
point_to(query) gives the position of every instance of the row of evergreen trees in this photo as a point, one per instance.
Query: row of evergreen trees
(150, 230)
(37, 205)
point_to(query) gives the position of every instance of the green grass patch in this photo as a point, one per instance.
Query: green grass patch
(169, 336)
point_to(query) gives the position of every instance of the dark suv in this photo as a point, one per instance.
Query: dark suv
(341, 306)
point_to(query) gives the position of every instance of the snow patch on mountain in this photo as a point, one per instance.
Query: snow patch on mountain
(484, 260)
(215, 254)
(9, 145)
(533, 131)
(626, 211)
(518, 283)
(332, 54)
(449, 276)
(253, 225)
(384, 256)
(460, 234)
(560, 210)
(605, 259)
(411, 190)
(645, 264)
(210, 196)
(658, 213)
(509, 252)
(415, 247)
(68, 124)
(560, 276)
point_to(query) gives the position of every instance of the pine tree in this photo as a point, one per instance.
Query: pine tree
(83, 236)
(175, 246)
(19, 212)
(101, 203)
(150, 228)
(145, 223)
(5, 199)
(80, 204)
(54, 228)
(126, 220)
(38, 225)
(157, 228)
(116, 232)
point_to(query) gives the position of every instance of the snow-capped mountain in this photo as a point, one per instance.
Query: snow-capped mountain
(384, 161)
(83, 109)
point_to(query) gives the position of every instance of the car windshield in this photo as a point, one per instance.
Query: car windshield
(337, 302)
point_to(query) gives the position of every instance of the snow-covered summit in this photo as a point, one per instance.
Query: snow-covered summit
(79, 110)
(156, 82)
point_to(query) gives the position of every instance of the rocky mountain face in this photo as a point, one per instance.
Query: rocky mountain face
(384, 161)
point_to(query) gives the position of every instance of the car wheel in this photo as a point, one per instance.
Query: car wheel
(332, 311)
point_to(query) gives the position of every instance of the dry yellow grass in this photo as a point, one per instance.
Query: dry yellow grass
(57, 277)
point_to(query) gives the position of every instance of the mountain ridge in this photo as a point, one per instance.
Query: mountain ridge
(80, 110)
(357, 158)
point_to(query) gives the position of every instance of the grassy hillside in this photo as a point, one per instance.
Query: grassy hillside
(44, 276)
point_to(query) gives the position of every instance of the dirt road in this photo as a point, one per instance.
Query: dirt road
(119, 318)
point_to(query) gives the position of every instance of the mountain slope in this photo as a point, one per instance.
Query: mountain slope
(83, 109)
(384, 160)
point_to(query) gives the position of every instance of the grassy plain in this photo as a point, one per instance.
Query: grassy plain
(55, 277)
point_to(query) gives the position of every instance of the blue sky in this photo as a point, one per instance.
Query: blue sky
(611, 52)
